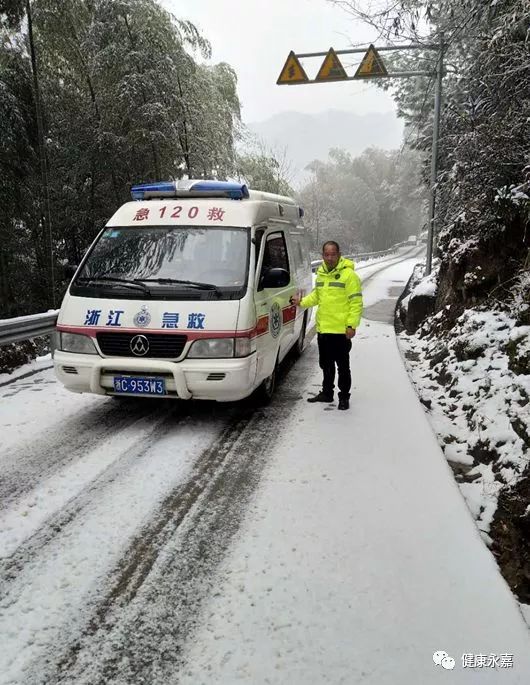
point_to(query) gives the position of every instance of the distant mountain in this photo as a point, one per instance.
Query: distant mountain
(310, 136)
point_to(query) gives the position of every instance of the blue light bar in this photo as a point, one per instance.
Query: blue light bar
(188, 188)
(237, 191)
(163, 189)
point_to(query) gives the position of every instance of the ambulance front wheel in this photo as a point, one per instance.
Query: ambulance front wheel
(299, 346)
(264, 392)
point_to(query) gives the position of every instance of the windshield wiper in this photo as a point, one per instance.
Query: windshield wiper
(137, 285)
(178, 281)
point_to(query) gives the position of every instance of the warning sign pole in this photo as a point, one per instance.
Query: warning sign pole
(434, 157)
(373, 66)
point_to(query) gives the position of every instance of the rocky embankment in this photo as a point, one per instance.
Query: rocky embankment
(471, 371)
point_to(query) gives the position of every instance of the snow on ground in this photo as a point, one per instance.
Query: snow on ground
(38, 364)
(477, 402)
(51, 599)
(381, 288)
(359, 559)
(25, 517)
(94, 505)
(474, 382)
(22, 418)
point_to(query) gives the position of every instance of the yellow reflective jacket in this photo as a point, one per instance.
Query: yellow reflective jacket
(337, 294)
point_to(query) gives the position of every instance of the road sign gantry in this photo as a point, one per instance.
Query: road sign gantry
(372, 66)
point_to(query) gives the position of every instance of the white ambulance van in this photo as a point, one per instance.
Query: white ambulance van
(185, 294)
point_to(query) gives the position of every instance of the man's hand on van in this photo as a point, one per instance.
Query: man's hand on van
(350, 332)
(295, 299)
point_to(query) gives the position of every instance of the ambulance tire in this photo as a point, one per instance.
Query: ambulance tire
(265, 391)
(299, 345)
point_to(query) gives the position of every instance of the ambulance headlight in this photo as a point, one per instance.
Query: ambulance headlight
(222, 348)
(79, 344)
(219, 348)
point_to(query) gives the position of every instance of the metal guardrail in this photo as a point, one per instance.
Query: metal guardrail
(27, 327)
(368, 255)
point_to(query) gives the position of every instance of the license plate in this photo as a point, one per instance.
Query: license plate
(140, 386)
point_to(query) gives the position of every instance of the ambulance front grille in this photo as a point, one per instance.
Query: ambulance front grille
(161, 345)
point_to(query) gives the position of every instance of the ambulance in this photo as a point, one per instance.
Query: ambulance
(185, 294)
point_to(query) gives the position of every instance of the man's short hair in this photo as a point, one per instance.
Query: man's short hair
(330, 242)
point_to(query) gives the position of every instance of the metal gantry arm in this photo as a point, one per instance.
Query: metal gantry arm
(383, 48)
(301, 79)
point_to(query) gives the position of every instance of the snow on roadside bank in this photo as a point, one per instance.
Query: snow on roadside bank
(38, 364)
(474, 383)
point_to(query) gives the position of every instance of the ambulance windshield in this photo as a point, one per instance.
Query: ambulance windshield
(168, 258)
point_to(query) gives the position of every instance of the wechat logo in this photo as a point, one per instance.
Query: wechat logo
(444, 660)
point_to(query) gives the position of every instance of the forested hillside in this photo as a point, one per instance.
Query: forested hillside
(123, 98)
(367, 203)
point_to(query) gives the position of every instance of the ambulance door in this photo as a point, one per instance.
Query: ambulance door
(271, 298)
(298, 273)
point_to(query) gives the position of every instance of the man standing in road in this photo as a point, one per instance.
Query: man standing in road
(337, 293)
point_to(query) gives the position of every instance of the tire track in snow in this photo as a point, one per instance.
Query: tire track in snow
(31, 461)
(169, 570)
(388, 263)
(53, 524)
(53, 590)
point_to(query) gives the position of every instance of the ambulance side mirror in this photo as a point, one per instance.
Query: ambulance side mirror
(275, 278)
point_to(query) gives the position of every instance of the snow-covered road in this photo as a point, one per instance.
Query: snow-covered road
(160, 542)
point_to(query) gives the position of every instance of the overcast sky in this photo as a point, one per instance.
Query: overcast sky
(256, 36)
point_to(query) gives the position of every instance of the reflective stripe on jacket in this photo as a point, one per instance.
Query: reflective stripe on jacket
(337, 293)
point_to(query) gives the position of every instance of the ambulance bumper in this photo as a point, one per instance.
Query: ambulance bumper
(223, 380)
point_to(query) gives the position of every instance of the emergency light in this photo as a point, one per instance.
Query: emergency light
(189, 188)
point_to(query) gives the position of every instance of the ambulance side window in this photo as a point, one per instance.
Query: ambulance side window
(298, 249)
(275, 253)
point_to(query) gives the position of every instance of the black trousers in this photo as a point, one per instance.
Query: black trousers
(334, 348)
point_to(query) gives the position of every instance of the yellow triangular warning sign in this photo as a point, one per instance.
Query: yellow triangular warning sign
(372, 65)
(331, 69)
(292, 72)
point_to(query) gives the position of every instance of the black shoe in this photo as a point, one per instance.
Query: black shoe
(321, 397)
(344, 404)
